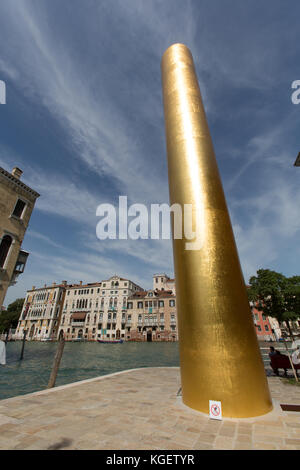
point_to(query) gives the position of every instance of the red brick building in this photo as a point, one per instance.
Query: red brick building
(262, 324)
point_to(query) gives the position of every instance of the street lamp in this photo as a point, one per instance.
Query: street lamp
(297, 162)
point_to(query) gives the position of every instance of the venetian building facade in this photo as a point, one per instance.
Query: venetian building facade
(41, 312)
(151, 316)
(17, 201)
(97, 311)
(163, 282)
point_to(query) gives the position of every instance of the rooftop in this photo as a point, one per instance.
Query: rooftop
(16, 180)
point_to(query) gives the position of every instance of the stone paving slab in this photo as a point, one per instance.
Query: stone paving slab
(139, 409)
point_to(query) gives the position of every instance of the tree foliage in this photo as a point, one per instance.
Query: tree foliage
(277, 296)
(9, 318)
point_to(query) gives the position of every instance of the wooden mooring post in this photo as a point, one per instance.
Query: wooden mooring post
(291, 362)
(23, 345)
(56, 363)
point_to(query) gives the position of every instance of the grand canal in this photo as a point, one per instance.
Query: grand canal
(83, 361)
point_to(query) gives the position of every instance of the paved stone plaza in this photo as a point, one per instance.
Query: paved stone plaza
(139, 409)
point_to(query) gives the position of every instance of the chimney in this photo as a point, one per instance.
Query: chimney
(53, 284)
(17, 172)
(33, 288)
(80, 283)
(64, 283)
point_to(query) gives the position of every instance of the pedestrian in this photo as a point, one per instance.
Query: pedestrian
(273, 351)
(2, 353)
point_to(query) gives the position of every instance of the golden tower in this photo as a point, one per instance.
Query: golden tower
(219, 353)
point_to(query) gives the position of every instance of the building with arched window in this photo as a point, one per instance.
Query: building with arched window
(17, 201)
(97, 310)
(41, 314)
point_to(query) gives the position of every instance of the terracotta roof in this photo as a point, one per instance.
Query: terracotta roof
(81, 286)
(157, 294)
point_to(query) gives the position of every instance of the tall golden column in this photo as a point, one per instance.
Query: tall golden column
(219, 353)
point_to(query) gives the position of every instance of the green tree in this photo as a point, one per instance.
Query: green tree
(9, 318)
(277, 296)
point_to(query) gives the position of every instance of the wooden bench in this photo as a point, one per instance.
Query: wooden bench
(280, 361)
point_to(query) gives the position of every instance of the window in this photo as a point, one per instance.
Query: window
(266, 328)
(259, 328)
(161, 303)
(4, 249)
(140, 305)
(19, 208)
(172, 303)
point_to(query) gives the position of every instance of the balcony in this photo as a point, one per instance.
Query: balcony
(80, 309)
(77, 323)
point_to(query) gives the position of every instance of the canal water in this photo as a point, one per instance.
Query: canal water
(84, 360)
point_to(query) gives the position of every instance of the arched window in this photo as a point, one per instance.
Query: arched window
(4, 249)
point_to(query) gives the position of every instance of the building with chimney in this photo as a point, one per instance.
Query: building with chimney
(115, 308)
(163, 282)
(17, 201)
(152, 316)
(97, 310)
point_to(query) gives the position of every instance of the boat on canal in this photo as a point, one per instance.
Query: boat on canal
(113, 341)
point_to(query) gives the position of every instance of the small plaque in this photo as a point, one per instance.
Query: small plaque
(215, 409)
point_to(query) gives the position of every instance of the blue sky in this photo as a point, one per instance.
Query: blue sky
(84, 120)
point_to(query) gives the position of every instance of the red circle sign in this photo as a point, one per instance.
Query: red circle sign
(215, 410)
